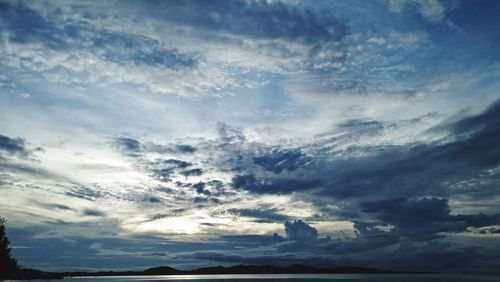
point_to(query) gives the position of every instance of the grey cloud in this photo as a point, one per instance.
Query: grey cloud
(153, 200)
(12, 146)
(25, 25)
(15, 147)
(129, 145)
(57, 207)
(122, 47)
(489, 230)
(273, 186)
(193, 172)
(186, 148)
(84, 193)
(92, 212)
(228, 134)
(259, 19)
(261, 214)
(418, 169)
(370, 126)
(300, 231)
(200, 189)
(278, 160)
(253, 241)
(177, 163)
(420, 218)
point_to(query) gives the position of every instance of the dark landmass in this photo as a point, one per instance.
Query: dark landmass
(237, 269)
(30, 274)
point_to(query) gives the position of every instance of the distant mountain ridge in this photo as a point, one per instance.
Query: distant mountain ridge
(30, 274)
(237, 269)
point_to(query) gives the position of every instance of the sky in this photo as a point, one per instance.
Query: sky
(196, 133)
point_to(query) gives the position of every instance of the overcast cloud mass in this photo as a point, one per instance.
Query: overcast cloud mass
(198, 133)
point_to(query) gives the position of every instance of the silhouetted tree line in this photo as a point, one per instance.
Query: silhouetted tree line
(9, 269)
(8, 264)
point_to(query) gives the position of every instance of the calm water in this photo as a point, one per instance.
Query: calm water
(297, 278)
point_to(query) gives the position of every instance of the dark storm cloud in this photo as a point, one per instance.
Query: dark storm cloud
(394, 195)
(12, 146)
(490, 230)
(15, 147)
(272, 186)
(418, 169)
(279, 160)
(423, 218)
(186, 148)
(261, 214)
(26, 25)
(258, 19)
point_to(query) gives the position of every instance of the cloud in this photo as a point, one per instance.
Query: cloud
(56, 206)
(424, 217)
(80, 44)
(489, 230)
(412, 212)
(84, 193)
(15, 146)
(279, 160)
(255, 241)
(177, 163)
(431, 10)
(113, 46)
(261, 214)
(258, 19)
(192, 172)
(200, 189)
(273, 186)
(298, 230)
(128, 145)
(186, 148)
(77, 45)
(92, 212)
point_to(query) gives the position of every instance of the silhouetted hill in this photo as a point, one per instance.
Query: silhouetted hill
(162, 270)
(292, 269)
(27, 274)
(237, 269)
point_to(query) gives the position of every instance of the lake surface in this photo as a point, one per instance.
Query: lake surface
(295, 278)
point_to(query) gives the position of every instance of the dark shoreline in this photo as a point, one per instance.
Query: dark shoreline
(31, 274)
